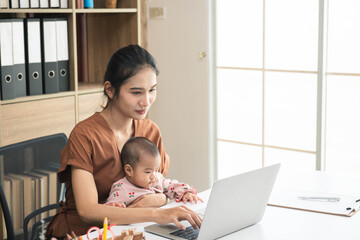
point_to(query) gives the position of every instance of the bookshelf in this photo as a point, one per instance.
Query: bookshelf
(107, 30)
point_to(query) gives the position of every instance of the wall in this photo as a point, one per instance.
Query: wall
(182, 109)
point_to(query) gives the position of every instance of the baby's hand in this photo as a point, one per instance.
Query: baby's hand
(190, 197)
(121, 205)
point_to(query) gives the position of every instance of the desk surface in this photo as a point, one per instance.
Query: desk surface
(281, 223)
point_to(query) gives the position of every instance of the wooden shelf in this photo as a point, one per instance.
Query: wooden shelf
(37, 10)
(32, 116)
(106, 10)
(37, 97)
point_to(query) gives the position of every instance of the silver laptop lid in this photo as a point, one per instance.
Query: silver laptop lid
(237, 202)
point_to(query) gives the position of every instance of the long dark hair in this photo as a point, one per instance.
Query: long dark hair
(124, 64)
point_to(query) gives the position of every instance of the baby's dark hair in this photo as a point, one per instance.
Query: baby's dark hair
(134, 147)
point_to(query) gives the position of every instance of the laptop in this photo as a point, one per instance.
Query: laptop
(237, 202)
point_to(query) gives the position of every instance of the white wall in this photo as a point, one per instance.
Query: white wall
(182, 109)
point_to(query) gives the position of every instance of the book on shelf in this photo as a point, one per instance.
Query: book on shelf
(15, 202)
(29, 191)
(7, 192)
(28, 200)
(52, 186)
(37, 192)
(44, 200)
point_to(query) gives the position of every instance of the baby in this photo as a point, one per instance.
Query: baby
(140, 161)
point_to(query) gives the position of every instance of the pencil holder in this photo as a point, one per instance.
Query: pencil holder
(110, 3)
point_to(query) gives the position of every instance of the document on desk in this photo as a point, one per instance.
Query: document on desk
(321, 202)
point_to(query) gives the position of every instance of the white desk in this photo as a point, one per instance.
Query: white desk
(281, 223)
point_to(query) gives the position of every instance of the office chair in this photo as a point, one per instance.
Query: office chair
(36, 227)
(38, 153)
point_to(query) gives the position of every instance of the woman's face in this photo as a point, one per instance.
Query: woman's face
(137, 95)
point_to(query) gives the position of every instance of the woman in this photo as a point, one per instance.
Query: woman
(90, 161)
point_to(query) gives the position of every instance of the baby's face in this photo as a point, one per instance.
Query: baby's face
(145, 171)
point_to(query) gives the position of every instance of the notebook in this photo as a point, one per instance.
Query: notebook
(238, 202)
(314, 201)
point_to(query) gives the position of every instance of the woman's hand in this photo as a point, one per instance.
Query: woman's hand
(177, 214)
(149, 200)
(190, 197)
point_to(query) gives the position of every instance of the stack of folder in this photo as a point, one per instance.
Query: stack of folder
(34, 56)
(29, 191)
(34, 4)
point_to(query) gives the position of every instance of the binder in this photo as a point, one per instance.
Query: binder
(19, 57)
(44, 3)
(295, 199)
(4, 3)
(64, 4)
(24, 4)
(62, 53)
(34, 4)
(54, 3)
(14, 3)
(33, 56)
(6, 60)
(49, 56)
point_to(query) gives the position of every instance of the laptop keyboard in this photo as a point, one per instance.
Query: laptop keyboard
(189, 233)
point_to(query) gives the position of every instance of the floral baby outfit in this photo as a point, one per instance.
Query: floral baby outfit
(122, 191)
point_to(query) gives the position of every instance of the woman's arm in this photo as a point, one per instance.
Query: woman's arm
(90, 211)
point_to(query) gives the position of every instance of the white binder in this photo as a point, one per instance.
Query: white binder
(44, 3)
(62, 53)
(34, 4)
(49, 48)
(6, 60)
(19, 57)
(33, 36)
(4, 3)
(54, 3)
(24, 3)
(14, 3)
(64, 4)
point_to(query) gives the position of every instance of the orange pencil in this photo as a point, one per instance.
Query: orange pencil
(104, 237)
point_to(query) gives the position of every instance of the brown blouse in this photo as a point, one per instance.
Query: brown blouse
(92, 146)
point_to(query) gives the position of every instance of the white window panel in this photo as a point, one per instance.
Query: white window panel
(344, 36)
(239, 105)
(343, 124)
(291, 34)
(291, 161)
(290, 110)
(239, 35)
(234, 158)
